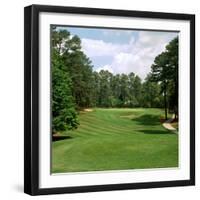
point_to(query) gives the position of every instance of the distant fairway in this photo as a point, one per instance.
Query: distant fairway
(116, 139)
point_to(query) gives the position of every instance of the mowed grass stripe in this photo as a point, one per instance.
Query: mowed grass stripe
(107, 125)
(116, 139)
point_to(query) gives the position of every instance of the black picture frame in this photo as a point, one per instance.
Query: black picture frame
(31, 99)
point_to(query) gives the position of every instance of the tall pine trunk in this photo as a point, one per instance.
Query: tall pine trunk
(165, 100)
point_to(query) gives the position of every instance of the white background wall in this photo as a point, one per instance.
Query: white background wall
(11, 98)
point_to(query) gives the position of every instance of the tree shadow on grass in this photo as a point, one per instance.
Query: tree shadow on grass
(147, 120)
(156, 132)
(60, 137)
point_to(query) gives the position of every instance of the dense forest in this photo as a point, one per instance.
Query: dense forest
(76, 86)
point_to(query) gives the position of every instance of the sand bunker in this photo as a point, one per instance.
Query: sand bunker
(88, 110)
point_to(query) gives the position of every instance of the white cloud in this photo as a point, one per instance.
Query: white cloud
(136, 56)
(105, 67)
(100, 48)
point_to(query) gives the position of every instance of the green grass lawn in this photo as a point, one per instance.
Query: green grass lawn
(116, 139)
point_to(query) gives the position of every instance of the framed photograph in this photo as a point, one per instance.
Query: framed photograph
(109, 99)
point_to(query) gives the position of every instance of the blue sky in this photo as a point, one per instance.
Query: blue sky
(122, 51)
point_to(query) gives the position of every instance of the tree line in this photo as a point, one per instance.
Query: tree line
(76, 86)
